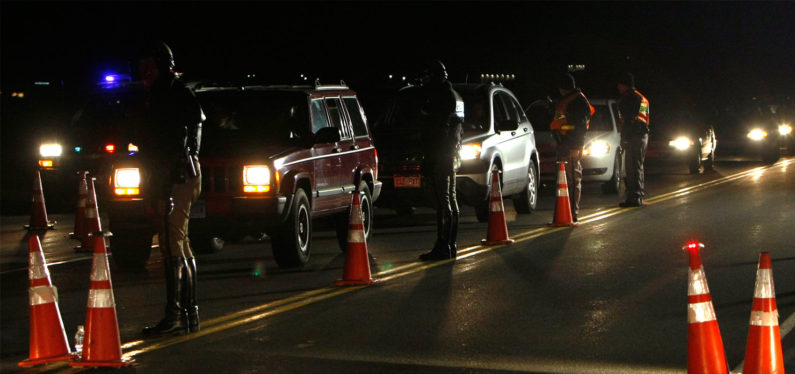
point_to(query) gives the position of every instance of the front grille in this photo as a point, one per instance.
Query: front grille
(221, 178)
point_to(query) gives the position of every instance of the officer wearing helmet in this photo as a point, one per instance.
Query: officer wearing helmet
(441, 144)
(170, 139)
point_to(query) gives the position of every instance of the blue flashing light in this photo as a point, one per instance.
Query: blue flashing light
(78, 149)
(110, 78)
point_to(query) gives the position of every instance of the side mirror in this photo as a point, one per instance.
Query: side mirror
(328, 135)
(507, 125)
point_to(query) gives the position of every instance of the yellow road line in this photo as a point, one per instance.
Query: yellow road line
(310, 297)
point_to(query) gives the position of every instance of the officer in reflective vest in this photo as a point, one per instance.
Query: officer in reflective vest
(569, 124)
(633, 117)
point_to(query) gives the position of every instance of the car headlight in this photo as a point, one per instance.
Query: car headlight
(784, 129)
(127, 181)
(681, 143)
(757, 134)
(50, 150)
(598, 148)
(256, 178)
(469, 152)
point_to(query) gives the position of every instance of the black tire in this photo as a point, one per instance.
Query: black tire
(203, 243)
(130, 248)
(342, 221)
(614, 184)
(526, 201)
(291, 242)
(695, 165)
(771, 154)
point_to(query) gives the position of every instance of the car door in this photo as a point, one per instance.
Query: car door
(515, 144)
(348, 150)
(326, 161)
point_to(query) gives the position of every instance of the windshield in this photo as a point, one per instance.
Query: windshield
(477, 116)
(253, 117)
(108, 116)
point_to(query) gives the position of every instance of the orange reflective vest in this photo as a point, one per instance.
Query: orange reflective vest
(643, 112)
(560, 123)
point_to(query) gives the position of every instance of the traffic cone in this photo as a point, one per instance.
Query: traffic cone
(91, 222)
(38, 214)
(498, 228)
(102, 346)
(705, 352)
(563, 215)
(48, 341)
(357, 262)
(763, 353)
(80, 210)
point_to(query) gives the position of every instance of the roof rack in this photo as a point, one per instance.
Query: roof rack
(341, 86)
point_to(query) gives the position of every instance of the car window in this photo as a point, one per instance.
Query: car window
(357, 116)
(601, 120)
(269, 117)
(477, 116)
(337, 120)
(319, 117)
(514, 109)
(500, 113)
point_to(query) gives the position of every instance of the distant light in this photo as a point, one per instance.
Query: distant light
(45, 163)
(757, 134)
(78, 149)
(132, 148)
(390, 76)
(784, 129)
(110, 148)
(41, 83)
(110, 78)
(50, 150)
(681, 143)
(693, 246)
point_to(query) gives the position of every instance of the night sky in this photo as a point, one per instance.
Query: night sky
(688, 53)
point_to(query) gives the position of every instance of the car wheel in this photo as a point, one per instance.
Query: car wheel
(291, 241)
(525, 202)
(130, 248)
(696, 166)
(614, 184)
(203, 243)
(342, 221)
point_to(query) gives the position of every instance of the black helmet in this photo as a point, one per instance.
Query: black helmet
(435, 69)
(626, 78)
(161, 52)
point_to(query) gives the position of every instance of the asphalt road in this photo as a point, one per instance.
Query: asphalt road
(609, 296)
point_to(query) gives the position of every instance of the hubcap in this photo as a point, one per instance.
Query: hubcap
(303, 225)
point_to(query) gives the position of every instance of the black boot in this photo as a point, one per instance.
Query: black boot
(441, 249)
(453, 235)
(189, 295)
(174, 322)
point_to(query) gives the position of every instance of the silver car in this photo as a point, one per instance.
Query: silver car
(497, 136)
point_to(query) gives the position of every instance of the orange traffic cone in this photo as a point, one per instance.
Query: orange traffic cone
(763, 353)
(38, 214)
(563, 216)
(704, 345)
(48, 341)
(92, 223)
(80, 210)
(102, 346)
(357, 262)
(498, 227)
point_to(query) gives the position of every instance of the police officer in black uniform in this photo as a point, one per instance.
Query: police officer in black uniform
(441, 143)
(170, 140)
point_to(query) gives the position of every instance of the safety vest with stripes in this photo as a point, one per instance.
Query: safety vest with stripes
(643, 112)
(560, 122)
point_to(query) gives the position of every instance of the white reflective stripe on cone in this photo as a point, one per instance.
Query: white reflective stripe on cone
(100, 270)
(764, 318)
(356, 236)
(101, 298)
(38, 269)
(496, 206)
(700, 312)
(43, 295)
(764, 284)
(698, 283)
(563, 192)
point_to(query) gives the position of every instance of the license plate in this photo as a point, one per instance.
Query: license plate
(407, 181)
(198, 209)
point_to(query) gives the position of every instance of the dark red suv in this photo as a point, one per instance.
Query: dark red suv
(273, 158)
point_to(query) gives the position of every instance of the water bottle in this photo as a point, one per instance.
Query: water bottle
(79, 339)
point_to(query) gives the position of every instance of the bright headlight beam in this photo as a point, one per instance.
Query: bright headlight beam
(681, 143)
(757, 134)
(127, 178)
(50, 150)
(256, 175)
(469, 151)
(597, 148)
(784, 129)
